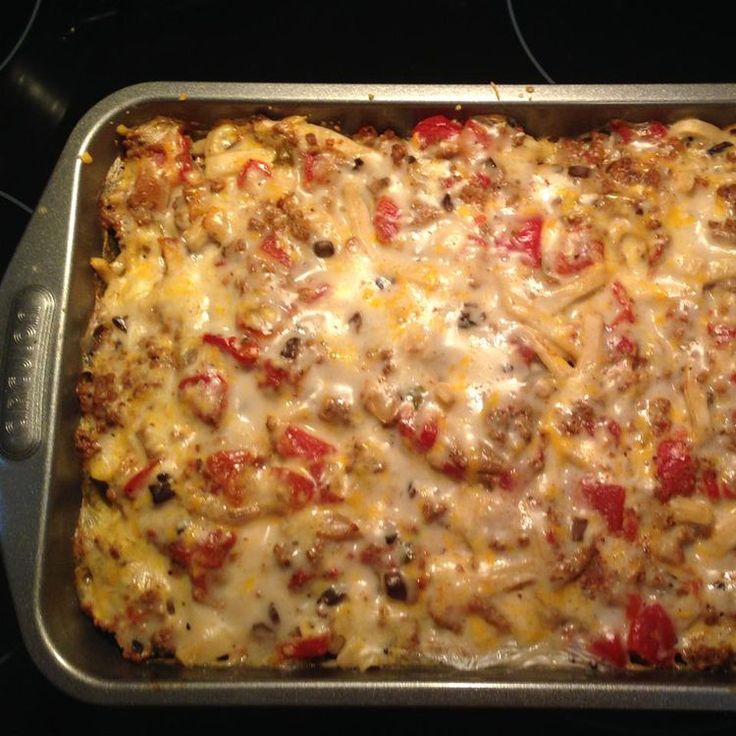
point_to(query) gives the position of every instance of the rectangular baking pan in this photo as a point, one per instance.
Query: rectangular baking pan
(46, 298)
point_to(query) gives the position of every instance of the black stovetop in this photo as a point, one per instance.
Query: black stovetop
(58, 58)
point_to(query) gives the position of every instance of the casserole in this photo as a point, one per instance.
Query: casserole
(47, 295)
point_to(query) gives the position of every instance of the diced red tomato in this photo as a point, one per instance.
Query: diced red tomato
(137, 481)
(652, 635)
(307, 648)
(422, 437)
(623, 129)
(318, 168)
(261, 168)
(386, 220)
(405, 423)
(197, 378)
(245, 350)
(634, 604)
(326, 494)
(206, 394)
(608, 500)
(626, 313)
(526, 239)
(631, 524)
(722, 334)
(273, 376)
(270, 246)
(301, 486)
(299, 579)
(675, 469)
(609, 648)
(224, 468)
(426, 436)
(296, 442)
(201, 557)
(482, 136)
(434, 129)
(655, 129)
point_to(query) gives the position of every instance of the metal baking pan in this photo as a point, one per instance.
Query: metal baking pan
(46, 298)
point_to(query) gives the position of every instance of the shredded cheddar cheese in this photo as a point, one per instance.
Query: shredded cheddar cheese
(466, 397)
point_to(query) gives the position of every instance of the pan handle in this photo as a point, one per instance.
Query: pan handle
(32, 319)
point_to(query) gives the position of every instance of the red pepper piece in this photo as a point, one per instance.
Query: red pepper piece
(482, 136)
(631, 525)
(252, 164)
(675, 469)
(224, 468)
(435, 129)
(610, 649)
(245, 351)
(623, 129)
(302, 488)
(270, 246)
(652, 635)
(527, 239)
(386, 220)
(422, 438)
(206, 394)
(308, 648)
(299, 579)
(608, 500)
(273, 376)
(137, 481)
(296, 442)
(626, 314)
(655, 129)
